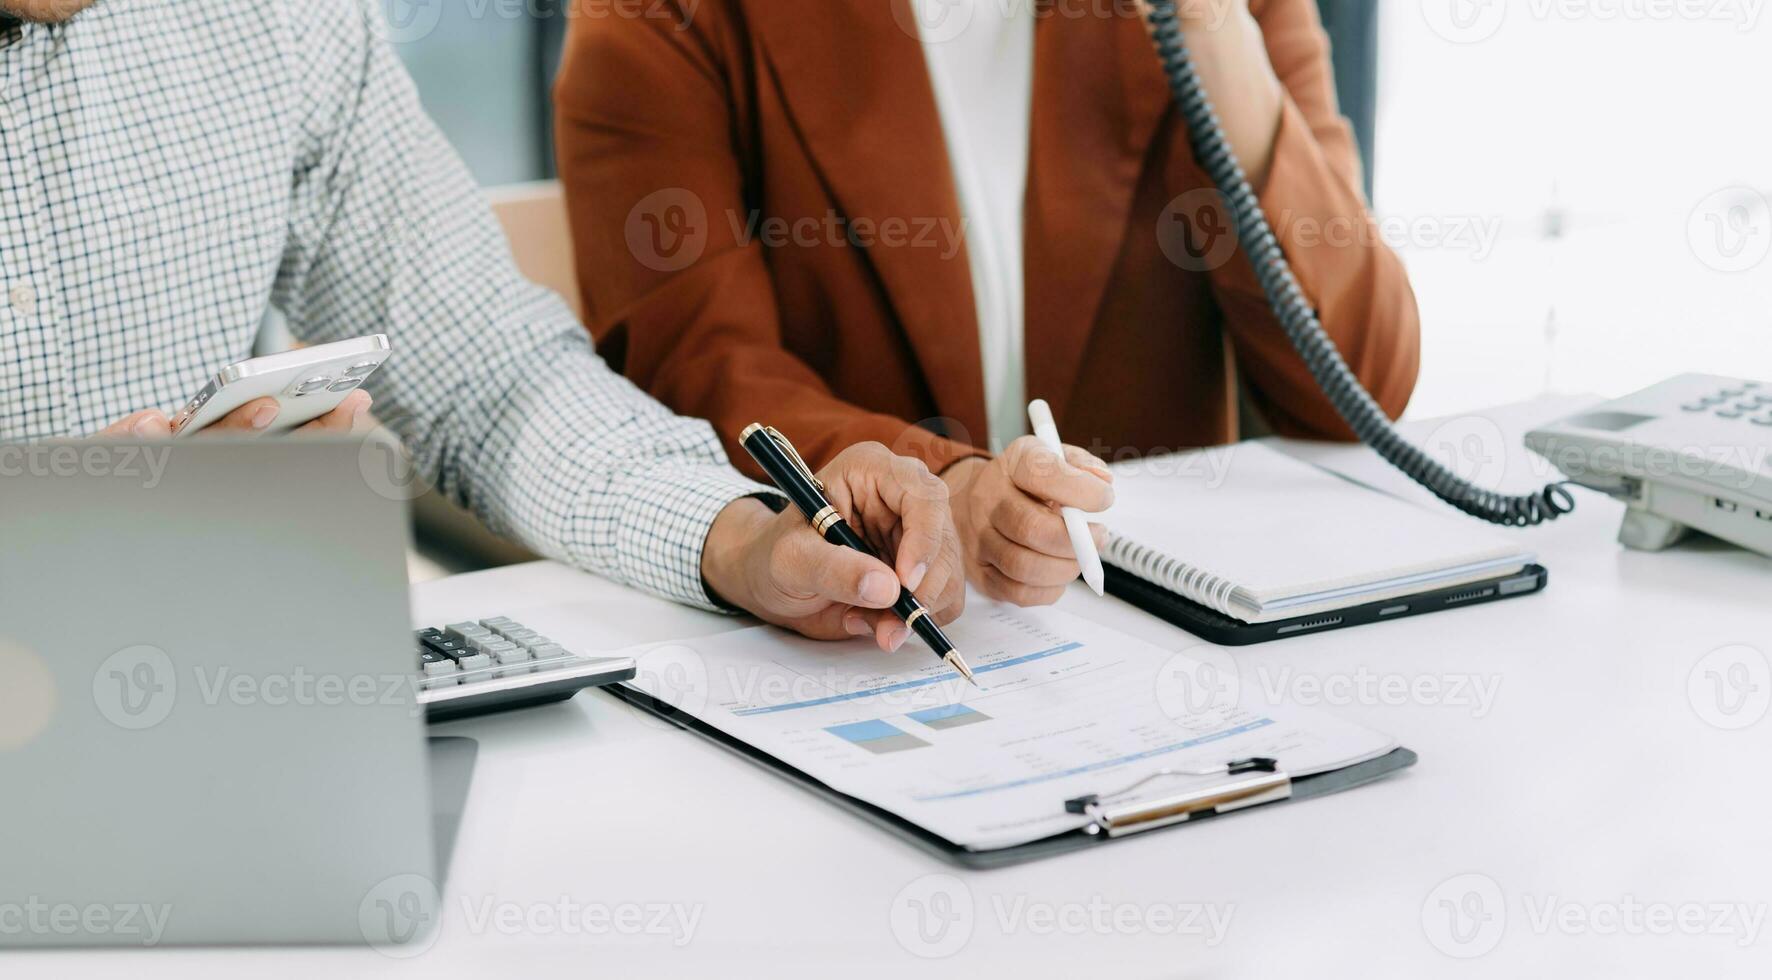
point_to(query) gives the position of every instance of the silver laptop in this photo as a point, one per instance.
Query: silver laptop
(208, 724)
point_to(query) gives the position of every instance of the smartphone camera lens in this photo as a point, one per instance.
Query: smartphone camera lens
(345, 385)
(311, 385)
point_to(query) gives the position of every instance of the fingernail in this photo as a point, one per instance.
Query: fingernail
(916, 576)
(878, 587)
(896, 638)
(856, 625)
(263, 418)
(146, 427)
(361, 410)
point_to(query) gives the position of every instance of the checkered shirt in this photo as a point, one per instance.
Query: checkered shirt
(171, 169)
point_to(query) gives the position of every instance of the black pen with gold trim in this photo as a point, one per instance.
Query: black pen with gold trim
(782, 462)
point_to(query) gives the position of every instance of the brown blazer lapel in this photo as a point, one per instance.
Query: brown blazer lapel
(1098, 96)
(858, 89)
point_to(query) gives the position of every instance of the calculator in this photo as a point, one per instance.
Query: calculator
(479, 667)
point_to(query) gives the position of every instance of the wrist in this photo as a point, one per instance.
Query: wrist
(961, 471)
(725, 554)
(1233, 62)
(960, 478)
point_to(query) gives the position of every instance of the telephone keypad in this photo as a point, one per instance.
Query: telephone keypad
(1737, 400)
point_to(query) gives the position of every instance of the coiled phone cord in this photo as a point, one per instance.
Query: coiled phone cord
(1299, 320)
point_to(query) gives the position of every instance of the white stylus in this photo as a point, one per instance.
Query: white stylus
(1075, 521)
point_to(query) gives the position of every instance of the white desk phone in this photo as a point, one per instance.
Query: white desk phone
(1693, 452)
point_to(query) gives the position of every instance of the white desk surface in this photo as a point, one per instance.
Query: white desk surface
(1595, 793)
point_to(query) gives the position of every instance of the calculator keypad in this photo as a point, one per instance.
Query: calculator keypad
(462, 653)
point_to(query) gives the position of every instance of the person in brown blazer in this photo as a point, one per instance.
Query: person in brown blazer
(897, 220)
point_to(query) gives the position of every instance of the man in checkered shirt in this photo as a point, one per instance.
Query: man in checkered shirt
(171, 168)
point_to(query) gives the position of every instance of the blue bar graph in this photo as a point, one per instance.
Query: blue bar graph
(876, 736)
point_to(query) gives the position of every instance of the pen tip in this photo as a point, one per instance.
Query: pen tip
(955, 661)
(1094, 577)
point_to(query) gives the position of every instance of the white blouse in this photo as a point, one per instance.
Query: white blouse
(981, 61)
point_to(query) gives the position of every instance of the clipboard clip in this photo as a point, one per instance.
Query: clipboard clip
(1247, 783)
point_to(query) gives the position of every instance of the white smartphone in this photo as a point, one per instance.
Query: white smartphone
(307, 383)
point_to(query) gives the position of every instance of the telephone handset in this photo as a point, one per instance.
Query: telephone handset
(1299, 320)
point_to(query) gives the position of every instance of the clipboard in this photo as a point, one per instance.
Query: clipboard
(1237, 786)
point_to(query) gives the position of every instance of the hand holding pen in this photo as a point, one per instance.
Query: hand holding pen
(803, 582)
(839, 515)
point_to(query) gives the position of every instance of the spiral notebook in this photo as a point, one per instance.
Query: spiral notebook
(1257, 536)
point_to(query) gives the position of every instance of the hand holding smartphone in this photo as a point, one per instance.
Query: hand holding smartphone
(307, 384)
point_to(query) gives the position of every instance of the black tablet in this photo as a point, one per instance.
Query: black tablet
(1209, 624)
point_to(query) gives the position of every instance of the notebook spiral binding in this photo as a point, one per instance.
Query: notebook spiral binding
(1188, 581)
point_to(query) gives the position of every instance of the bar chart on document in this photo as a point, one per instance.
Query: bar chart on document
(1064, 707)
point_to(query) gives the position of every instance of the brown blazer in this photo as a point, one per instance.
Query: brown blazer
(690, 145)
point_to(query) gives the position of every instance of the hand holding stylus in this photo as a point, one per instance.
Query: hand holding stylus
(1008, 512)
(1075, 524)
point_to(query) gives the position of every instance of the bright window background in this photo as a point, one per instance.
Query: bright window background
(477, 67)
(1622, 166)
